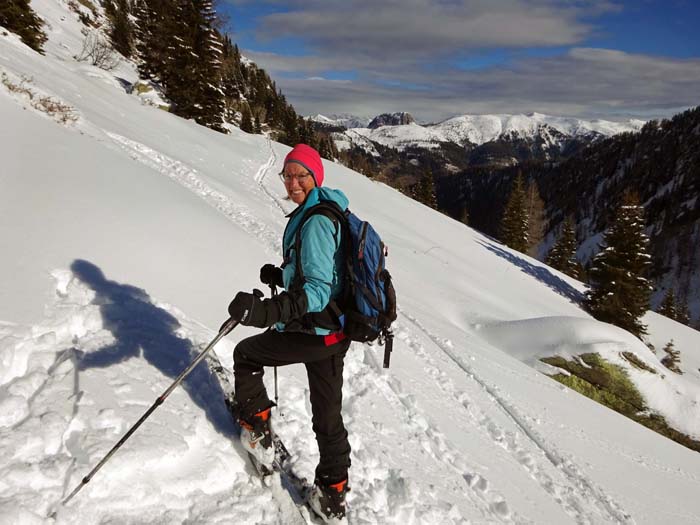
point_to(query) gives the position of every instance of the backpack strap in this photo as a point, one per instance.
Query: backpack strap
(330, 210)
(330, 317)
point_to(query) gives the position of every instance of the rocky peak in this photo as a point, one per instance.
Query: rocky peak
(391, 119)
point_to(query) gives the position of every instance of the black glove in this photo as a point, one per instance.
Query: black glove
(272, 275)
(249, 309)
(252, 310)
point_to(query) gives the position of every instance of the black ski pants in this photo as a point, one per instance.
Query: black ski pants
(324, 368)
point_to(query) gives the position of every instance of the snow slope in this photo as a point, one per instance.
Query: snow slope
(128, 231)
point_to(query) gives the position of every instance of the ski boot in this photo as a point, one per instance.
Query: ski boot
(328, 501)
(256, 438)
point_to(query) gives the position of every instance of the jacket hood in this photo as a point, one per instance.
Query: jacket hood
(317, 195)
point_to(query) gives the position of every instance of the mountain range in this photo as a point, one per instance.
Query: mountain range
(581, 169)
(400, 131)
(661, 163)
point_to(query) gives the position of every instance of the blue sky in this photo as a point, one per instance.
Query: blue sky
(437, 58)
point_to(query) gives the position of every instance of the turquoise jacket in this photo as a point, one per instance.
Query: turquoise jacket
(321, 258)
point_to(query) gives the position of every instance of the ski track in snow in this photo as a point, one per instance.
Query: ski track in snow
(262, 174)
(189, 178)
(475, 486)
(573, 491)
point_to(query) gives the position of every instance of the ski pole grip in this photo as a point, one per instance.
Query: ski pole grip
(228, 326)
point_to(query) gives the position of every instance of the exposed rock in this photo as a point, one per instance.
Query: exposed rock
(391, 119)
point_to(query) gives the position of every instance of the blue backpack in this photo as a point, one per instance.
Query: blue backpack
(367, 306)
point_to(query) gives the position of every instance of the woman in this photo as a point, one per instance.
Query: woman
(304, 328)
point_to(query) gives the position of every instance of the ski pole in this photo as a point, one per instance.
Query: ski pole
(273, 292)
(225, 329)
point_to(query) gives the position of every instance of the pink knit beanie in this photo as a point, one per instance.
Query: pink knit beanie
(308, 158)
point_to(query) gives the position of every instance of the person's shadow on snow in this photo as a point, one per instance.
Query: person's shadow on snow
(141, 328)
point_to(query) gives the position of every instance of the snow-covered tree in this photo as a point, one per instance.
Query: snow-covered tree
(562, 256)
(231, 78)
(672, 358)
(196, 60)
(620, 291)
(179, 47)
(155, 31)
(121, 27)
(514, 223)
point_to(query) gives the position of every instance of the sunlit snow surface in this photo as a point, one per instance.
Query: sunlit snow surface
(127, 232)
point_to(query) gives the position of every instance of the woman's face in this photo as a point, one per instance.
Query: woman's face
(297, 181)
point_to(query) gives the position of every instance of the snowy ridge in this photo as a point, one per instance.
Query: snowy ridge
(344, 121)
(480, 129)
(143, 226)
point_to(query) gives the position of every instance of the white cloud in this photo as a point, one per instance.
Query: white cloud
(420, 29)
(399, 55)
(582, 82)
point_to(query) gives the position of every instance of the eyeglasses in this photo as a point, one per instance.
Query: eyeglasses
(287, 178)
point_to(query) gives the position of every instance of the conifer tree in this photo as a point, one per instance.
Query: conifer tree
(464, 215)
(179, 47)
(195, 89)
(562, 256)
(121, 28)
(231, 79)
(668, 305)
(672, 358)
(333, 148)
(155, 30)
(19, 17)
(208, 46)
(682, 314)
(246, 120)
(536, 218)
(619, 291)
(514, 223)
(290, 132)
(425, 190)
(325, 149)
